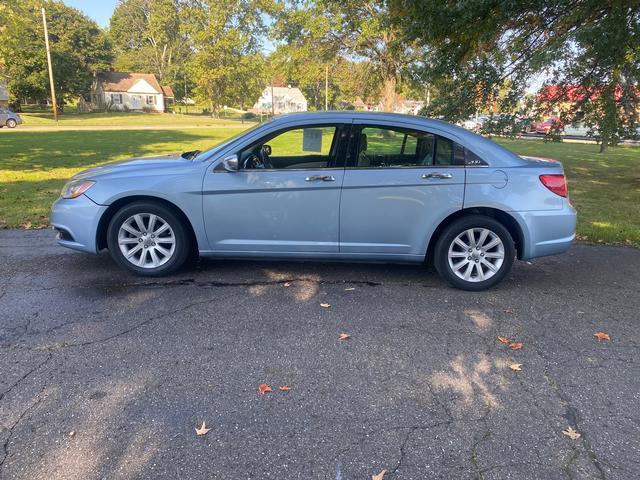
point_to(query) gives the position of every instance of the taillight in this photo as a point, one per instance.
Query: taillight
(555, 182)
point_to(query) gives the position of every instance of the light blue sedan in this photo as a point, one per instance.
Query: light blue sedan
(346, 186)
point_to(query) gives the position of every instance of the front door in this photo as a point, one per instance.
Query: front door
(136, 102)
(399, 184)
(285, 197)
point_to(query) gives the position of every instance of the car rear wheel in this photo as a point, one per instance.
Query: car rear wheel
(148, 239)
(474, 253)
(11, 123)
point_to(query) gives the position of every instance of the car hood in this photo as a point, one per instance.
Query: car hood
(142, 163)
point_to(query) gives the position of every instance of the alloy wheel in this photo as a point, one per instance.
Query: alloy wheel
(476, 254)
(146, 240)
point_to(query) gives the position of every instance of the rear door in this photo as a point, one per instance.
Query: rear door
(400, 182)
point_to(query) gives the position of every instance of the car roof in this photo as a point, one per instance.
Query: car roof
(488, 150)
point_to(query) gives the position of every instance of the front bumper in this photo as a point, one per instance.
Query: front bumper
(548, 232)
(76, 221)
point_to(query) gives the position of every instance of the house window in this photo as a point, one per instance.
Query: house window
(151, 100)
(116, 98)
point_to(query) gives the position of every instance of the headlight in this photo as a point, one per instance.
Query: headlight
(76, 188)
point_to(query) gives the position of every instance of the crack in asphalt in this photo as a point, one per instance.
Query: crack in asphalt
(191, 282)
(121, 333)
(402, 451)
(26, 375)
(572, 415)
(5, 445)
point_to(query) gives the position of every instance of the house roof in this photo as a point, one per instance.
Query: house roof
(574, 93)
(123, 81)
(168, 91)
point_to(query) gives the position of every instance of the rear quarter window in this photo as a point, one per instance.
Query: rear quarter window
(473, 160)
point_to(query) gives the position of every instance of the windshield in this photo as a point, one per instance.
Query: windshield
(227, 141)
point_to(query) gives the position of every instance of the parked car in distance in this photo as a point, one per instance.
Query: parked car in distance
(545, 126)
(9, 118)
(351, 186)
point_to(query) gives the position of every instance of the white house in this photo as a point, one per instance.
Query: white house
(130, 91)
(4, 94)
(285, 100)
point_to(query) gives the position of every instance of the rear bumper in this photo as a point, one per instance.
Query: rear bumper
(76, 221)
(547, 232)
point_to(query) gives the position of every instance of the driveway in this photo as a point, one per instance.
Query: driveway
(105, 375)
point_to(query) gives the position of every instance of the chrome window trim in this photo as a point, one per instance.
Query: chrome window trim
(254, 170)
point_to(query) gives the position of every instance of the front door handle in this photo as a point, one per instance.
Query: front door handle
(439, 176)
(324, 178)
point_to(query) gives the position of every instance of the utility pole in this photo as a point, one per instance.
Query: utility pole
(186, 105)
(326, 87)
(53, 89)
(273, 102)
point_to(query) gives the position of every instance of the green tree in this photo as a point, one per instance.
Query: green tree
(358, 30)
(482, 53)
(149, 36)
(79, 48)
(227, 66)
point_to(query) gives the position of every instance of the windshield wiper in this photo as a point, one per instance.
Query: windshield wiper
(190, 155)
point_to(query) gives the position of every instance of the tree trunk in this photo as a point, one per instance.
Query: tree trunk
(604, 146)
(389, 94)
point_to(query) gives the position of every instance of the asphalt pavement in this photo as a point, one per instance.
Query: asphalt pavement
(107, 375)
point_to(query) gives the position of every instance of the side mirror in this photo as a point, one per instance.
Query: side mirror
(230, 163)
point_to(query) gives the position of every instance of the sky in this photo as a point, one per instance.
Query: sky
(98, 10)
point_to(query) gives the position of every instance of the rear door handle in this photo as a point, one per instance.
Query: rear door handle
(324, 178)
(439, 176)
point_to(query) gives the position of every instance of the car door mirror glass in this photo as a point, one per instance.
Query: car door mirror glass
(230, 163)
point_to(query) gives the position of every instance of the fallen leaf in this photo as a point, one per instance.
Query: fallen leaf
(503, 339)
(571, 433)
(350, 289)
(379, 476)
(264, 388)
(508, 310)
(602, 336)
(345, 336)
(516, 367)
(284, 388)
(325, 305)
(72, 434)
(286, 284)
(202, 430)
(515, 345)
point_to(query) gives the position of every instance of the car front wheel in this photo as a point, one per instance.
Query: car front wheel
(148, 239)
(11, 123)
(474, 253)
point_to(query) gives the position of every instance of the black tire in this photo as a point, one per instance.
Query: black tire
(182, 241)
(11, 123)
(451, 232)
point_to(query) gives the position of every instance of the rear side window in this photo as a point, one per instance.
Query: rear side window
(393, 147)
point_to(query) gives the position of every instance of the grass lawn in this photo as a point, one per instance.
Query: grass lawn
(605, 188)
(122, 119)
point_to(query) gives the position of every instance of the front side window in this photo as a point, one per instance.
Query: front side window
(309, 147)
(389, 147)
(151, 100)
(116, 98)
